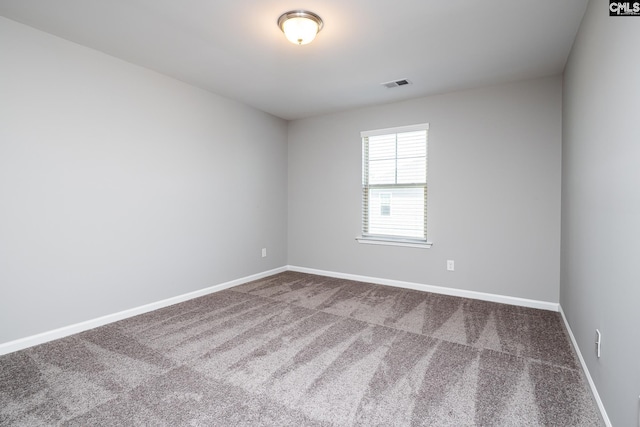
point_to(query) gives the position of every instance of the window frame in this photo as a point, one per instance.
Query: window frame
(391, 240)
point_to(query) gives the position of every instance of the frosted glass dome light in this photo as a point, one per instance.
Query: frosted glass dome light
(300, 26)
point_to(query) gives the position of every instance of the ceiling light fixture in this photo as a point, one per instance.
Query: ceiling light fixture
(300, 26)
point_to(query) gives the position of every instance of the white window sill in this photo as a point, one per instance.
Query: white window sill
(393, 242)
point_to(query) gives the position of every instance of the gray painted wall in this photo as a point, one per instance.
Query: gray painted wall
(120, 187)
(600, 281)
(494, 191)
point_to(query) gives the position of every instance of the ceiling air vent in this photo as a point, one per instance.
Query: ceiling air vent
(396, 83)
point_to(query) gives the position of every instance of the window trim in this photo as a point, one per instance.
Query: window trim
(395, 240)
(398, 129)
(391, 241)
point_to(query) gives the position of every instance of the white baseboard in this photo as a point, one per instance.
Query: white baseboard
(523, 302)
(592, 385)
(22, 343)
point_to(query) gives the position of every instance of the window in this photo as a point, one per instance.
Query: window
(394, 186)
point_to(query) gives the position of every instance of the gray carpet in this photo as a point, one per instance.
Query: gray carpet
(302, 350)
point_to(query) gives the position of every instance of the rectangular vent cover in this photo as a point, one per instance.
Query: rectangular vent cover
(396, 83)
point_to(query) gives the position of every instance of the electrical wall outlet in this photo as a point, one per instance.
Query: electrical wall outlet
(264, 252)
(450, 265)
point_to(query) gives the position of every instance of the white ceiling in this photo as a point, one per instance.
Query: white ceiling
(235, 48)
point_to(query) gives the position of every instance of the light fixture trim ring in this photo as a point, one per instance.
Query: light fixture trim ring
(300, 14)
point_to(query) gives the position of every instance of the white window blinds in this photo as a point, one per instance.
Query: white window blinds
(394, 183)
